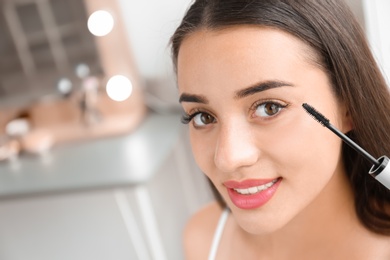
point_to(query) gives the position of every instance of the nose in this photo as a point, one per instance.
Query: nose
(236, 147)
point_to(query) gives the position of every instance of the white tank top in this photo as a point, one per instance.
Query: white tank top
(218, 234)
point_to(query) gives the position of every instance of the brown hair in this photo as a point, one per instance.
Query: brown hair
(329, 27)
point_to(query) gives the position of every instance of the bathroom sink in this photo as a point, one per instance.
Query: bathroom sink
(54, 120)
(63, 118)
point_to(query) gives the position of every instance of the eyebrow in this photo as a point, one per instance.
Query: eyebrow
(261, 86)
(193, 98)
(258, 87)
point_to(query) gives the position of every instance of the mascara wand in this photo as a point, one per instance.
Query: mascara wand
(381, 167)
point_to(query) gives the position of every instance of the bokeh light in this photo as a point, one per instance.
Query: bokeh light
(119, 88)
(82, 70)
(64, 86)
(100, 23)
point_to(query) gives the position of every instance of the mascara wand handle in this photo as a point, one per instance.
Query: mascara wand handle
(380, 169)
(382, 172)
(353, 145)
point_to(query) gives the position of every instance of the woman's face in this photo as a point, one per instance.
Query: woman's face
(242, 89)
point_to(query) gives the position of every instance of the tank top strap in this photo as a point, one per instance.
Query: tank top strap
(218, 233)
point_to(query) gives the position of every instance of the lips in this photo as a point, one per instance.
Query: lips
(251, 194)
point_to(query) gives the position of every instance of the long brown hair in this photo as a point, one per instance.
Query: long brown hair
(330, 28)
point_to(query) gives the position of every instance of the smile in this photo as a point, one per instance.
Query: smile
(256, 189)
(252, 193)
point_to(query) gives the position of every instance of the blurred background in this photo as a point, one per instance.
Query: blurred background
(94, 162)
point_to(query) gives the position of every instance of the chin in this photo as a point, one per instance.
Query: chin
(256, 223)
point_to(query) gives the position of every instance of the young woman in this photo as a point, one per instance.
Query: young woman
(289, 188)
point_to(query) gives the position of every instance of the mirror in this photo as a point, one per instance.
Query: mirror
(42, 41)
(54, 71)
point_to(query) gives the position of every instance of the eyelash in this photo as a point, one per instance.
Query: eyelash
(187, 118)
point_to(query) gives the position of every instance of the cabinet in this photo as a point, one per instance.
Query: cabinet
(82, 225)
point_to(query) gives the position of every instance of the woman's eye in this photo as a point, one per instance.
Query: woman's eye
(202, 119)
(268, 109)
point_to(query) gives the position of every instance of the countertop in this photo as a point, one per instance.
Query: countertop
(128, 159)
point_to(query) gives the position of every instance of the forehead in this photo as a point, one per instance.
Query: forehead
(243, 49)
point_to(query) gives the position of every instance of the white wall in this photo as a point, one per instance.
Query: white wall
(377, 20)
(357, 8)
(150, 24)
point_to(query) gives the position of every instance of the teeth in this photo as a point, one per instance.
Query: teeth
(253, 190)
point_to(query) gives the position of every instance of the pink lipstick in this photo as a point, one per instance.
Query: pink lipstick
(252, 193)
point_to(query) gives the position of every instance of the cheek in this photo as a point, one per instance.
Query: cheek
(307, 154)
(203, 150)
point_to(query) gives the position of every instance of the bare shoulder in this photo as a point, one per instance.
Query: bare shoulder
(370, 245)
(199, 231)
(377, 248)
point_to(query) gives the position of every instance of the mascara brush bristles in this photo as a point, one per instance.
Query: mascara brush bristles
(325, 122)
(315, 114)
